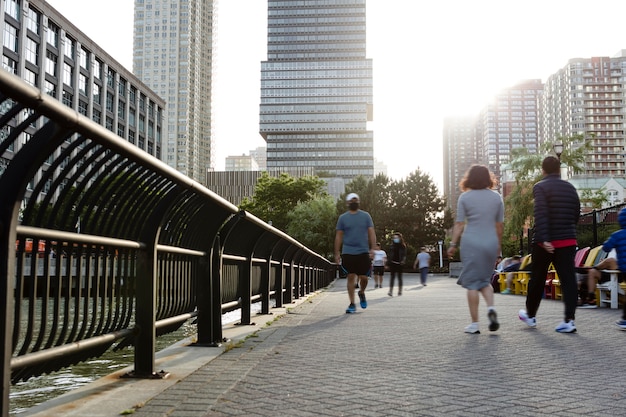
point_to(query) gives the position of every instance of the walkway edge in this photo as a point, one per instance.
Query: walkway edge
(111, 395)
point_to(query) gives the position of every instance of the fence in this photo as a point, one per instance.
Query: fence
(592, 230)
(103, 245)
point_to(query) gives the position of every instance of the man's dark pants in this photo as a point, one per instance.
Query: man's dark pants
(563, 261)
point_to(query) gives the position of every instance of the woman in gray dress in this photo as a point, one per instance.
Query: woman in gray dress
(479, 225)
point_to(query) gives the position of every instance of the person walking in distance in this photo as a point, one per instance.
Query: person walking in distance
(354, 247)
(479, 225)
(422, 263)
(556, 213)
(380, 258)
(397, 256)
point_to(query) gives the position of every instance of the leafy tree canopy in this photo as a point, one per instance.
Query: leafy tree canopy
(275, 197)
(312, 223)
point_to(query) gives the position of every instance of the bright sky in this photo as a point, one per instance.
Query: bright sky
(432, 59)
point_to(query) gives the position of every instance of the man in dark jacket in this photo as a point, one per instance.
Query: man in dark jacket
(556, 212)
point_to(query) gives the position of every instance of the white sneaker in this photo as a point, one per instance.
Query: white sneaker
(566, 327)
(530, 321)
(472, 328)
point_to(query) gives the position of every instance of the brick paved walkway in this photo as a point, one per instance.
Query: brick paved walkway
(408, 356)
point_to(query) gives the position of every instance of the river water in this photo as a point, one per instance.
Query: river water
(46, 387)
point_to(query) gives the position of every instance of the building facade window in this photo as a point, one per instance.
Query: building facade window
(68, 74)
(10, 40)
(9, 64)
(52, 35)
(33, 21)
(51, 64)
(69, 47)
(12, 8)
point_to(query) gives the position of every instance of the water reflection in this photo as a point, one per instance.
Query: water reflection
(46, 387)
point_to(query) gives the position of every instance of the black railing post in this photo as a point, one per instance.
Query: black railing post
(595, 228)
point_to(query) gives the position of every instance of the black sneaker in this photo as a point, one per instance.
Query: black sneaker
(363, 300)
(493, 321)
(351, 309)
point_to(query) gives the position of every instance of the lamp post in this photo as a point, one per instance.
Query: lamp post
(440, 243)
(558, 150)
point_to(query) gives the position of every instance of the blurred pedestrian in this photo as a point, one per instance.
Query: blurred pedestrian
(556, 213)
(422, 263)
(397, 257)
(354, 247)
(380, 259)
(479, 225)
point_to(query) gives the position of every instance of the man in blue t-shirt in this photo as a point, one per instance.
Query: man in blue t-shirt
(355, 242)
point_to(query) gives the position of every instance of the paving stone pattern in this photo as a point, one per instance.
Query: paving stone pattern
(409, 356)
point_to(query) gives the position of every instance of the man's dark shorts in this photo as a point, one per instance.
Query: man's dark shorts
(379, 270)
(356, 264)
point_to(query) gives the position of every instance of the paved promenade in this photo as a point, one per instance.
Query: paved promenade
(402, 356)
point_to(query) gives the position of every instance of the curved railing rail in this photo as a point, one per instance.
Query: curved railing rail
(103, 245)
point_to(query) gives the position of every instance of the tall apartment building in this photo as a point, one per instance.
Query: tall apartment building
(316, 87)
(173, 54)
(461, 149)
(511, 121)
(587, 97)
(49, 52)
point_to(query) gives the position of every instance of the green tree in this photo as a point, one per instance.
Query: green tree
(593, 199)
(275, 197)
(312, 223)
(411, 206)
(418, 210)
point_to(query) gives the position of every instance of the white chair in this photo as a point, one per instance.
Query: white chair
(608, 291)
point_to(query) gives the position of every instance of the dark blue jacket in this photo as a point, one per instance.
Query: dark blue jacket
(557, 209)
(617, 240)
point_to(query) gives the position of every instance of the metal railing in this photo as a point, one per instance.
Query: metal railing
(104, 246)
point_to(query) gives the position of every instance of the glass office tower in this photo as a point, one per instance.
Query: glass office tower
(316, 88)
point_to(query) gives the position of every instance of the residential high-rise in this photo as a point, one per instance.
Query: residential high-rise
(511, 121)
(460, 150)
(587, 97)
(316, 88)
(173, 54)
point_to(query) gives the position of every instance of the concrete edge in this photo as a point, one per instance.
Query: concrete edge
(112, 395)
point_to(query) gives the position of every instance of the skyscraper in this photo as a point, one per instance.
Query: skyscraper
(511, 121)
(587, 97)
(316, 88)
(460, 150)
(173, 53)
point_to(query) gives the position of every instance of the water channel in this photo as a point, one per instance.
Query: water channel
(46, 387)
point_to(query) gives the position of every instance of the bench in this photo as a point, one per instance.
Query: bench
(608, 292)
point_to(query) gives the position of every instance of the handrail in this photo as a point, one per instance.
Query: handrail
(101, 243)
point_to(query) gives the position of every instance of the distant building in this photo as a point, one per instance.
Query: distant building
(47, 51)
(612, 188)
(380, 167)
(173, 53)
(461, 149)
(510, 121)
(586, 97)
(316, 88)
(260, 156)
(234, 186)
(241, 163)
